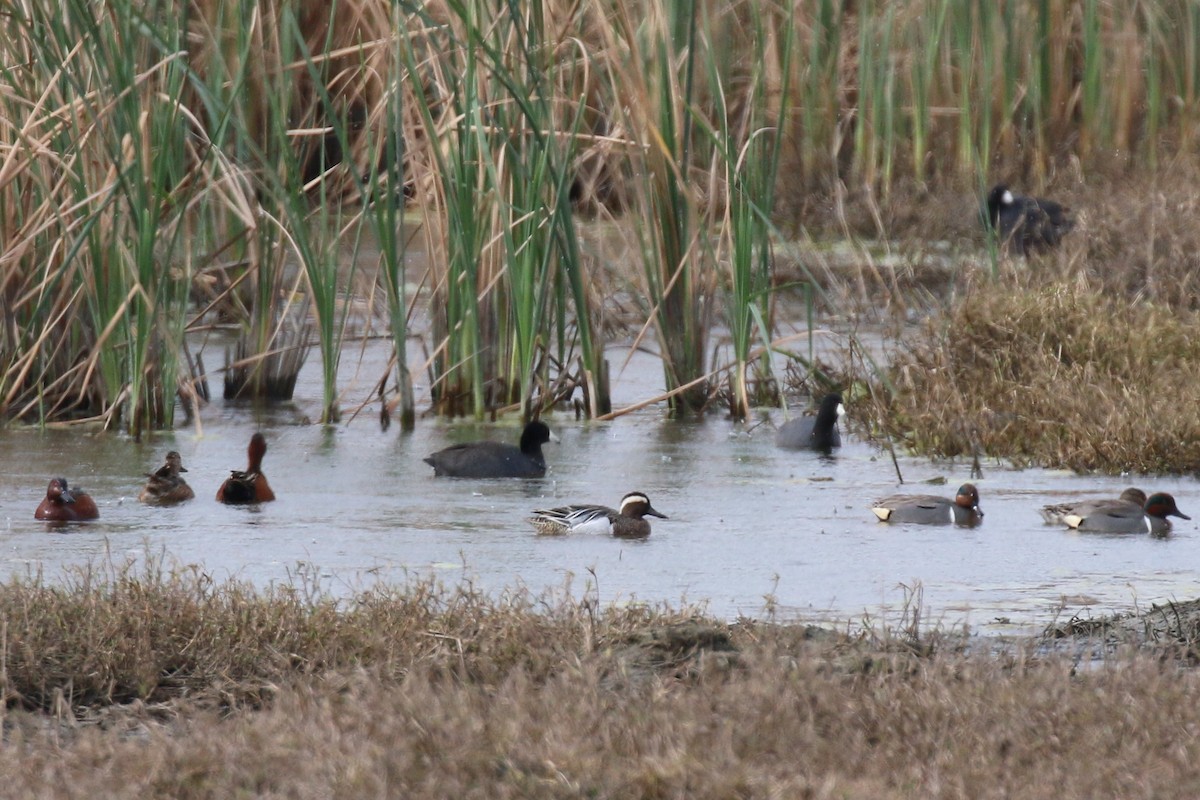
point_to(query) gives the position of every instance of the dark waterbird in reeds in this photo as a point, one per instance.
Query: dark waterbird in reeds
(1117, 516)
(494, 459)
(927, 509)
(814, 433)
(1026, 224)
(250, 486)
(63, 505)
(165, 486)
(628, 523)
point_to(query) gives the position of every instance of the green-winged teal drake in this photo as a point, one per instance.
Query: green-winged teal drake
(165, 486)
(628, 523)
(63, 505)
(494, 459)
(1121, 517)
(814, 433)
(925, 509)
(1056, 513)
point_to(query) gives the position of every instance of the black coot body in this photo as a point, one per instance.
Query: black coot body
(494, 459)
(1026, 224)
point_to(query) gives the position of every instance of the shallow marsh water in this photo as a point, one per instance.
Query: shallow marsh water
(752, 529)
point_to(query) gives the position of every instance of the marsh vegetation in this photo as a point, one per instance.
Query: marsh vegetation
(171, 168)
(179, 166)
(172, 685)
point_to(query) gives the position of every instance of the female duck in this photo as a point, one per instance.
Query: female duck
(932, 510)
(1119, 517)
(628, 523)
(250, 486)
(1057, 513)
(165, 487)
(63, 505)
(493, 459)
(814, 433)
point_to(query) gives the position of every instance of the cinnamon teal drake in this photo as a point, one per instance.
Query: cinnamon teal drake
(1116, 516)
(814, 433)
(1026, 224)
(165, 487)
(925, 509)
(250, 486)
(494, 459)
(628, 523)
(1056, 513)
(63, 505)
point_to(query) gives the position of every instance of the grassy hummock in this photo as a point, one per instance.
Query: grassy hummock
(156, 683)
(1060, 375)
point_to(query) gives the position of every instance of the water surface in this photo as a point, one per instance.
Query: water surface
(752, 529)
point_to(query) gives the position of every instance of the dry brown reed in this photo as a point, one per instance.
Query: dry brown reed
(445, 693)
(1060, 376)
(1082, 358)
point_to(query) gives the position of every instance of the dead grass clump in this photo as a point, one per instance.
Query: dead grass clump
(1062, 376)
(435, 692)
(155, 635)
(787, 724)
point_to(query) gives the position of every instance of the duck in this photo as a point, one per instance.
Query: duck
(1026, 224)
(1117, 516)
(494, 459)
(814, 433)
(63, 505)
(923, 509)
(1055, 514)
(250, 486)
(628, 523)
(165, 487)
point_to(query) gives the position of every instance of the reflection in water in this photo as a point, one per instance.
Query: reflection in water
(751, 526)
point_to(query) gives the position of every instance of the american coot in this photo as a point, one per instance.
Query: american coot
(63, 505)
(628, 523)
(931, 510)
(493, 459)
(814, 433)
(1056, 514)
(1120, 517)
(165, 487)
(250, 486)
(1026, 224)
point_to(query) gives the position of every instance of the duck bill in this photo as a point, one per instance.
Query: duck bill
(1178, 513)
(67, 497)
(654, 513)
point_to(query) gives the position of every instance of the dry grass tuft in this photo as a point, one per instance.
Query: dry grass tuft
(445, 693)
(1062, 376)
(1079, 358)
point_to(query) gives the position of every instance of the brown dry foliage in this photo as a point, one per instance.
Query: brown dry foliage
(1061, 376)
(1083, 358)
(443, 693)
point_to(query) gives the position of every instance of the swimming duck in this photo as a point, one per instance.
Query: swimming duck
(628, 523)
(250, 486)
(925, 509)
(1056, 513)
(63, 505)
(814, 433)
(493, 459)
(165, 487)
(1026, 224)
(1121, 517)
